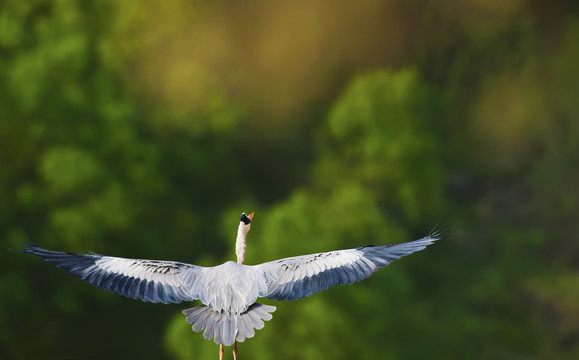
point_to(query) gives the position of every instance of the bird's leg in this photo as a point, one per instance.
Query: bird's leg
(235, 351)
(221, 351)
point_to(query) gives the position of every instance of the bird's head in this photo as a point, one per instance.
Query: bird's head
(245, 221)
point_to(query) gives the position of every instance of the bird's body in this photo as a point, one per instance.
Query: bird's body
(230, 291)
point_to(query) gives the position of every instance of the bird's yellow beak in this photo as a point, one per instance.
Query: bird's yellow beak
(250, 216)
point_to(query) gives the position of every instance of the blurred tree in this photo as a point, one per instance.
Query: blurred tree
(142, 129)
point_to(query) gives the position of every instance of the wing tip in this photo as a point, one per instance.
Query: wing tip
(438, 232)
(23, 240)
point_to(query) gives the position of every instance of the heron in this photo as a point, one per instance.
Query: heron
(229, 292)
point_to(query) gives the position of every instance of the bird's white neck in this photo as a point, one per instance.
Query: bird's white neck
(240, 243)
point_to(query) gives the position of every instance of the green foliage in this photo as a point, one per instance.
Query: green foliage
(69, 170)
(142, 130)
(382, 136)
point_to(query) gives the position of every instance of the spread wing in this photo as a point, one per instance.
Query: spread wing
(147, 280)
(297, 277)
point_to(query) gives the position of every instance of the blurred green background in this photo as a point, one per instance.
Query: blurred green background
(144, 128)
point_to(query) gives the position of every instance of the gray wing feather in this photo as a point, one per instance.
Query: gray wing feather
(147, 280)
(297, 277)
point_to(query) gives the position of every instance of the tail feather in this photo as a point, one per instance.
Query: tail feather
(219, 332)
(245, 331)
(203, 316)
(208, 333)
(263, 314)
(226, 328)
(256, 321)
(230, 328)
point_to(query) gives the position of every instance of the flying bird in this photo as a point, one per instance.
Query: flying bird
(229, 291)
